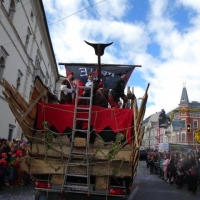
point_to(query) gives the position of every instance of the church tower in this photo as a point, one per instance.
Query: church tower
(184, 98)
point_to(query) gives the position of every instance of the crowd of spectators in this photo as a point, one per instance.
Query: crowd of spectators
(11, 174)
(177, 168)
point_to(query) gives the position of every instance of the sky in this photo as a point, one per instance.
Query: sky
(163, 36)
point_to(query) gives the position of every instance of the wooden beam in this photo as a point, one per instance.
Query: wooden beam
(96, 169)
(39, 151)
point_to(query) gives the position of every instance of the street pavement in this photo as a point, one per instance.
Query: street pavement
(150, 187)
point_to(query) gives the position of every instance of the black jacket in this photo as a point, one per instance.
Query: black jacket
(118, 90)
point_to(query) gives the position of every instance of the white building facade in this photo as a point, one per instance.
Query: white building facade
(25, 52)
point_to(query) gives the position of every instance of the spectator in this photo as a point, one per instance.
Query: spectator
(151, 165)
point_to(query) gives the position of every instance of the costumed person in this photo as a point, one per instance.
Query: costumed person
(68, 90)
(19, 178)
(165, 164)
(118, 91)
(3, 165)
(77, 83)
(87, 91)
(101, 97)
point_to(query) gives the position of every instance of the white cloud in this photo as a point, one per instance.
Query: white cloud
(178, 61)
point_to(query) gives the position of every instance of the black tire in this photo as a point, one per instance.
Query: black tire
(40, 196)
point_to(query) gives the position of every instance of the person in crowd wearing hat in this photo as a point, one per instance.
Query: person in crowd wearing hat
(118, 91)
(101, 97)
(87, 91)
(68, 89)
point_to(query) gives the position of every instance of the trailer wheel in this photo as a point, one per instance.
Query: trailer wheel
(40, 196)
(128, 182)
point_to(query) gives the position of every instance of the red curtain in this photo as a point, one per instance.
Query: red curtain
(61, 116)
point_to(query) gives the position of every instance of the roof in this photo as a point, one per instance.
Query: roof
(184, 97)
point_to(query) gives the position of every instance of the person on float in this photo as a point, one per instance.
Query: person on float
(67, 90)
(118, 91)
(101, 97)
(87, 91)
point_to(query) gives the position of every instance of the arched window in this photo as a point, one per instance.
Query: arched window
(12, 10)
(3, 57)
(19, 79)
(38, 70)
(183, 137)
(2, 66)
(27, 38)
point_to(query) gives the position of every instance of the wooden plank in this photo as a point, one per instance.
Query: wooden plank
(24, 126)
(102, 182)
(96, 169)
(12, 101)
(57, 179)
(38, 138)
(23, 165)
(18, 98)
(66, 149)
(80, 142)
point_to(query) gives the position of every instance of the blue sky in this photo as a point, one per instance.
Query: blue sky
(161, 35)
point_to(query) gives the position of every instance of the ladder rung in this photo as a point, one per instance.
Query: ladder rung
(77, 175)
(80, 97)
(81, 130)
(78, 153)
(82, 119)
(82, 108)
(77, 164)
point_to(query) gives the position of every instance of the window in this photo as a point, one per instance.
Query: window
(10, 131)
(183, 137)
(27, 38)
(41, 44)
(19, 76)
(173, 137)
(195, 124)
(32, 16)
(3, 57)
(31, 90)
(12, 10)
(47, 79)
(2, 66)
(37, 70)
